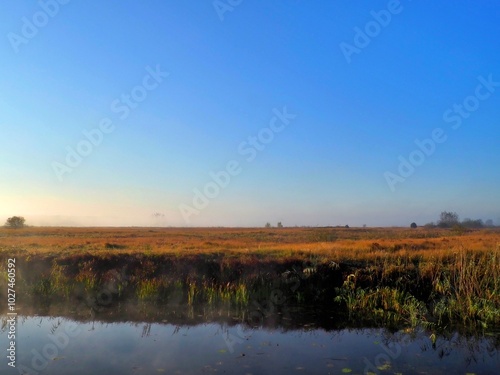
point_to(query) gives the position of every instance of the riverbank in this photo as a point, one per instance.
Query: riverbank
(386, 277)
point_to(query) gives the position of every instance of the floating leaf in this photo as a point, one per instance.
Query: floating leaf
(386, 366)
(346, 370)
(222, 350)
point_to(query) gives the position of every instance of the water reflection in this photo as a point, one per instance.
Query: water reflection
(154, 339)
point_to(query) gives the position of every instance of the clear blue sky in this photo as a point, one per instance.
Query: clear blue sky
(359, 102)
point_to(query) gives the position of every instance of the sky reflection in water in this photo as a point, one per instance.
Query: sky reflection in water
(156, 348)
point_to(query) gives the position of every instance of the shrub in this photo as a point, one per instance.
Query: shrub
(15, 222)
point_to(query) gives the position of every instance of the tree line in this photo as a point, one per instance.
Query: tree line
(449, 219)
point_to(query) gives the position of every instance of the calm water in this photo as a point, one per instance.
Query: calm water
(56, 345)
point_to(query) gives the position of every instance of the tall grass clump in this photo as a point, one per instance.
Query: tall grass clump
(384, 304)
(213, 293)
(53, 283)
(191, 292)
(469, 290)
(148, 289)
(87, 275)
(60, 283)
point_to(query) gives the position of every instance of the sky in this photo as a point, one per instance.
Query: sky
(238, 113)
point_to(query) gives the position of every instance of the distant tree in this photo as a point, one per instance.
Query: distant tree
(448, 219)
(413, 225)
(15, 222)
(364, 225)
(430, 225)
(268, 225)
(469, 223)
(279, 225)
(347, 226)
(488, 223)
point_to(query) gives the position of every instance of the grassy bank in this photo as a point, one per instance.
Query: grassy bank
(394, 277)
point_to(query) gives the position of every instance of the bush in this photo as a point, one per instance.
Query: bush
(469, 223)
(413, 225)
(15, 222)
(448, 219)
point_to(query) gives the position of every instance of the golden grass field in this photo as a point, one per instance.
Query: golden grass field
(338, 244)
(398, 275)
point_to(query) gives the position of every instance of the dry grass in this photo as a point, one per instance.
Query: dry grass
(339, 244)
(394, 275)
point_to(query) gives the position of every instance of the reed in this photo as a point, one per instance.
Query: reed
(148, 289)
(469, 290)
(463, 289)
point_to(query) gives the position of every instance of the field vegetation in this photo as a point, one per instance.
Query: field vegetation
(436, 277)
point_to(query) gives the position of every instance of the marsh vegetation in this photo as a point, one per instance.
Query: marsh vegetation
(433, 278)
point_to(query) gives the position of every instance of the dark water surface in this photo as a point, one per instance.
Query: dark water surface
(64, 345)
